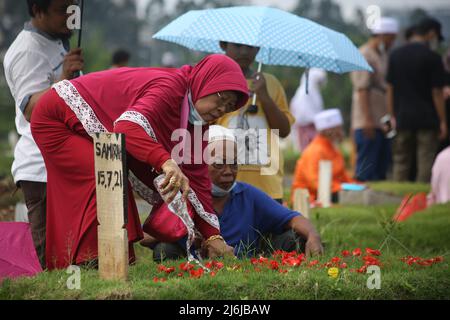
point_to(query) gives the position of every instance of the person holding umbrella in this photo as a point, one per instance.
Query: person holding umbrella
(270, 112)
(38, 57)
(147, 105)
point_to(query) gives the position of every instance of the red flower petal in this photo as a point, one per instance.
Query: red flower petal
(186, 266)
(363, 269)
(170, 270)
(345, 253)
(356, 252)
(277, 253)
(274, 265)
(373, 252)
(335, 259)
(369, 260)
(313, 263)
(262, 259)
(196, 273)
(161, 268)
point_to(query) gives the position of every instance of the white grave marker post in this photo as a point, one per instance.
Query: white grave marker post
(111, 189)
(301, 202)
(324, 192)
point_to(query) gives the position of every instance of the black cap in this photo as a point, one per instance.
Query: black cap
(428, 24)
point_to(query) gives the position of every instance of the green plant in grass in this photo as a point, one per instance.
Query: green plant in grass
(399, 188)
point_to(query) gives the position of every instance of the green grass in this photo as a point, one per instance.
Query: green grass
(424, 234)
(400, 188)
(6, 159)
(290, 160)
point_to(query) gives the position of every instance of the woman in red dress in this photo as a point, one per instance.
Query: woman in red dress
(146, 104)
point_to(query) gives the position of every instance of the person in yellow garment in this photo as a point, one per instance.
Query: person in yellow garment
(260, 159)
(328, 123)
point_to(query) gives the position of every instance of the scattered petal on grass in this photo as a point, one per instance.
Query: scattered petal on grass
(156, 279)
(274, 265)
(283, 262)
(335, 260)
(186, 266)
(345, 253)
(196, 273)
(363, 269)
(370, 261)
(313, 263)
(410, 260)
(356, 252)
(170, 270)
(373, 252)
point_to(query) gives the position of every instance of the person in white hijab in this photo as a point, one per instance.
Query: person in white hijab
(306, 104)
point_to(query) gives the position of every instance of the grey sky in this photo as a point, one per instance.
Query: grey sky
(349, 6)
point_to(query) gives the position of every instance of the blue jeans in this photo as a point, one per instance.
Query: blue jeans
(374, 156)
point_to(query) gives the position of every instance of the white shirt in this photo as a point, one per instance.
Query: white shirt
(305, 106)
(33, 62)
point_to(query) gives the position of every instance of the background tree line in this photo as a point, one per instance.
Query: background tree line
(109, 25)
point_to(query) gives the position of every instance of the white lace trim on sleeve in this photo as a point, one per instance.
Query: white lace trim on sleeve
(67, 91)
(139, 119)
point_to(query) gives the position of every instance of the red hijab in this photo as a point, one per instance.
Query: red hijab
(214, 73)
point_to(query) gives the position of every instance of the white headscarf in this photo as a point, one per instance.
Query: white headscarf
(304, 106)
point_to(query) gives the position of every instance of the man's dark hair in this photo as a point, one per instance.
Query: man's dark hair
(428, 24)
(410, 31)
(41, 4)
(120, 56)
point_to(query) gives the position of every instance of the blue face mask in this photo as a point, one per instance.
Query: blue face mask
(218, 192)
(194, 117)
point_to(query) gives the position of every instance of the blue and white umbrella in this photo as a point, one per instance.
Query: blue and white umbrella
(283, 38)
